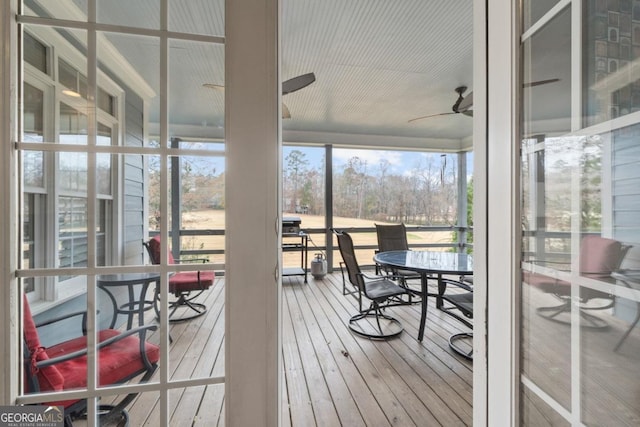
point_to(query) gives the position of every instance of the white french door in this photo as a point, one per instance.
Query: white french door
(94, 159)
(579, 301)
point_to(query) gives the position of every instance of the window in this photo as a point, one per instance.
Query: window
(55, 183)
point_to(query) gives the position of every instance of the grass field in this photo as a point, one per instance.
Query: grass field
(215, 220)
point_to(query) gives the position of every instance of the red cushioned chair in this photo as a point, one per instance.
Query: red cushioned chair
(185, 285)
(121, 356)
(599, 257)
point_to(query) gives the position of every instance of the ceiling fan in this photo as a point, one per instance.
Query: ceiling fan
(288, 86)
(464, 103)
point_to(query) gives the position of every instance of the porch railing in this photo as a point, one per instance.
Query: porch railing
(317, 235)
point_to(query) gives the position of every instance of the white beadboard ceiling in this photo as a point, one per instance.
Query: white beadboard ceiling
(378, 63)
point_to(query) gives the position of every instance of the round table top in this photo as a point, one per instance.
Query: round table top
(126, 278)
(427, 261)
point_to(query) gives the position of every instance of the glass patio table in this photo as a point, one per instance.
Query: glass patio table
(428, 263)
(135, 283)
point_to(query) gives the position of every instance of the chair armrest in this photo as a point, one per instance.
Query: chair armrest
(140, 330)
(63, 317)
(192, 260)
(378, 276)
(68, 316)
(551, 263)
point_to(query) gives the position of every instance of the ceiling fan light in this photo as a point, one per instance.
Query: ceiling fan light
(72, 93)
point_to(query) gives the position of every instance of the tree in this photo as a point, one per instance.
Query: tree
(295, 167)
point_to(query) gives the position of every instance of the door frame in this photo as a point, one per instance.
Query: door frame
(500, 387)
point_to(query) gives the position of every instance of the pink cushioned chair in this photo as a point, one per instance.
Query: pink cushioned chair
(185, 285)
(599, 257)
(121, 356)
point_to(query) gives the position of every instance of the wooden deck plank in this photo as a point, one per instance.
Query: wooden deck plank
(609, 379)
(433, 350)
(323, 405)
(383, 384)
(300, 409)
(388, 361)
(211, 406)
(455, 394)
(331, 377)
(362, 395)
(146, 406)
(345, 405)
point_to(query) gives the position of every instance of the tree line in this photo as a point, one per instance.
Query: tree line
(426, 193)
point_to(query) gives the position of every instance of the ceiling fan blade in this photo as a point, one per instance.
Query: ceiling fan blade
(540, 82)
(288, 86)
(213, 86)
(467, 113)
(466, 103)
(286, 114)
(297, 83)
(431, 115)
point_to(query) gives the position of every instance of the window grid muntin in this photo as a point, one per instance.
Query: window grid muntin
(90, 271)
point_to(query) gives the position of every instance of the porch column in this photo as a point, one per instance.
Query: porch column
(462, 201)
(328, 204)
(176, 198)
(253, 286)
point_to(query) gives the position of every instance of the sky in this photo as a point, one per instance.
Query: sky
(400, 162)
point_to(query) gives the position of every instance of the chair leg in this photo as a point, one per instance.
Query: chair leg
(551, 312)
(182, 302)
(198, 308)
(591, 321)
(115, 415)
(110, 413)
(385, 326)
(454, 344)
(345, 291)
(631, 327)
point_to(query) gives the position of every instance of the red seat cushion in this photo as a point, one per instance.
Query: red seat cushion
(185, 281)
(116, 363)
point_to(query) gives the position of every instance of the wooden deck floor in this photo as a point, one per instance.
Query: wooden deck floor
(331, 377)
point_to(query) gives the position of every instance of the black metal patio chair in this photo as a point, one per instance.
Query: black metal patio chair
(382, 292)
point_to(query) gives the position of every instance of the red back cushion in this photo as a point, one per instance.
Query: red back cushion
(187, 281)
(154, 246)
(599, 255)
(49, 378)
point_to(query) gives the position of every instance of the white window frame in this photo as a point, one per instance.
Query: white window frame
(89, 272)
(58, 48)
